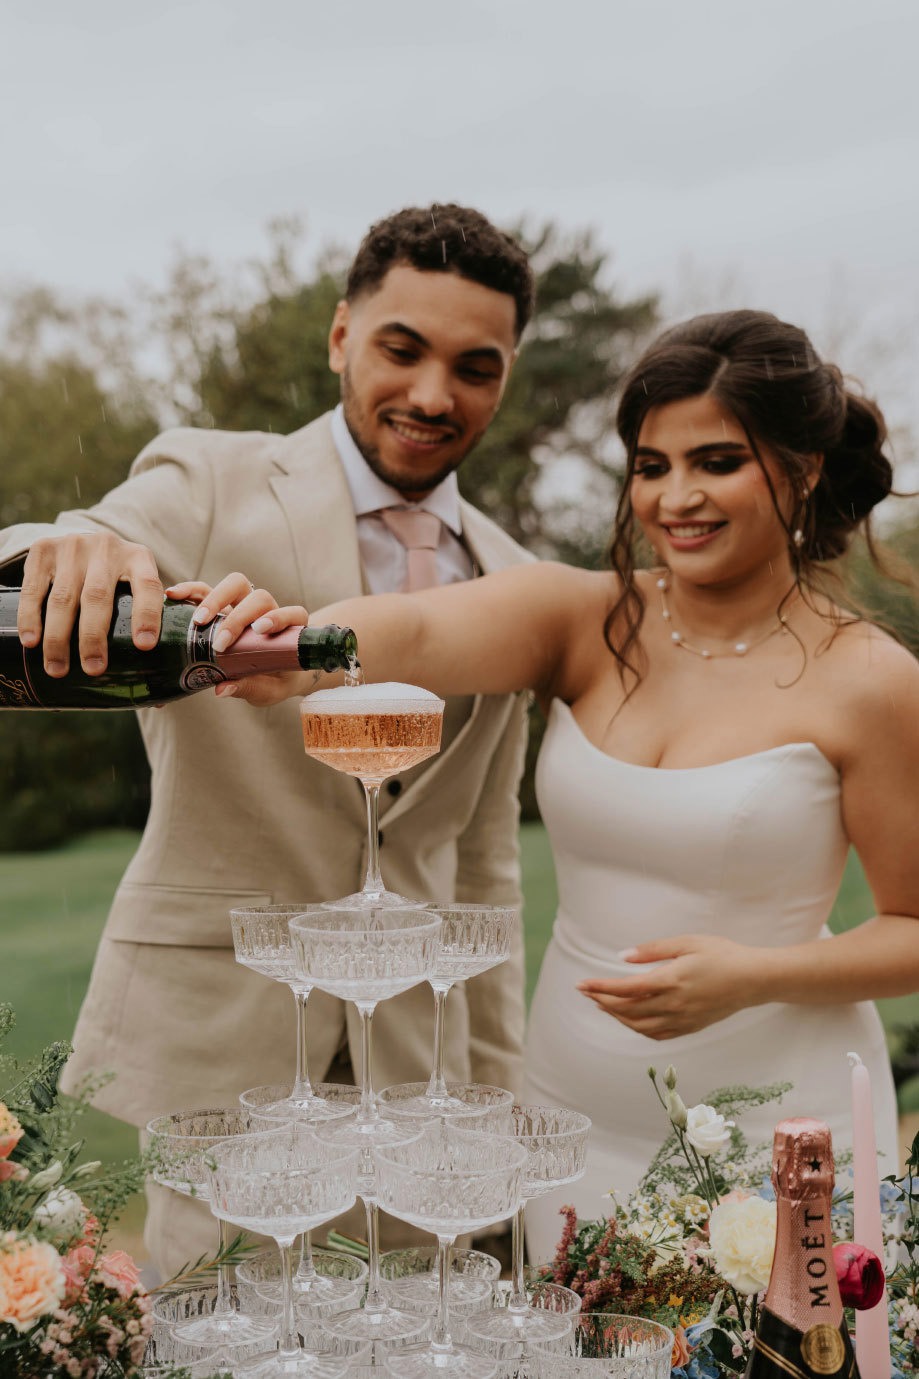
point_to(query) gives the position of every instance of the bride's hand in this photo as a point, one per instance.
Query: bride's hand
(243, 606)
(699, 979)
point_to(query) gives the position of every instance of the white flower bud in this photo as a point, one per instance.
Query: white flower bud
(85, 1170)
(670, 1077)
(47, 1177)
(676, 1109)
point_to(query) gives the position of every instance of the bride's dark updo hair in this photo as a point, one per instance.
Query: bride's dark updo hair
(767, 374)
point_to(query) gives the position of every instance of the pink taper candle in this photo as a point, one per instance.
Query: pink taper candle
(872, 1335)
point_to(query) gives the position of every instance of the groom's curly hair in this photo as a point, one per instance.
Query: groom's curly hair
(445, 239)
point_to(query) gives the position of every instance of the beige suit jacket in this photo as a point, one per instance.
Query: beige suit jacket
(240, 816)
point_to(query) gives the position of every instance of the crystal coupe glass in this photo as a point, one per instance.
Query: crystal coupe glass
(448, 1181)
(372, 732)
(261, 939)
(473, 938)
(555, 1141)
(179, 1144)
(366, 956)
(270, 1107)
(606, 1345)
(282, 1183)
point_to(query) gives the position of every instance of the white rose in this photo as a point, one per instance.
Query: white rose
(742, 1238)
(706, 1131)
(61, 1213)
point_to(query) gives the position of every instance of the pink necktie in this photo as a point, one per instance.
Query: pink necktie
(419, 533)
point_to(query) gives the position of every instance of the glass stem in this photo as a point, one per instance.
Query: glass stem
(289, 1343)
(223, 1302)
(437, 1087)
(306, 1271)
(368, 1111)
(441, 1338)
(518, 1299)
(373, 881)
(375, 1301)
(302, 1090)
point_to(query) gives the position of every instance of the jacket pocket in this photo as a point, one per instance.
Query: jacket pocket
(186, 915)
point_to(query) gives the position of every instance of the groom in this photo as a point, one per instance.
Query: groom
(363, 499)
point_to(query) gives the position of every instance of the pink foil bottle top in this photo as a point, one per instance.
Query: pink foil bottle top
(802, 1286)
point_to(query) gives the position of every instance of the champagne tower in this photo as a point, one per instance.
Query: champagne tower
(802, 1329)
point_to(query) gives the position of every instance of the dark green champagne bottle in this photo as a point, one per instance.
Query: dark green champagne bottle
(801, 1330)
(182, 662)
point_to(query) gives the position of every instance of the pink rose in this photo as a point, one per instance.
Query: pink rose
(860, 1274)
(77, 1264)
(18, 1172)
(31, 1282)
(11, 1132)
(119, 1271)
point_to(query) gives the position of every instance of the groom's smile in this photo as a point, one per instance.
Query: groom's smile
(423, 361)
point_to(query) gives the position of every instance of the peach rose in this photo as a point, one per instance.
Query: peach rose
(681, 1349)
(119, 1271)
(31, 1282)
(18, 1172)
(11, 1132)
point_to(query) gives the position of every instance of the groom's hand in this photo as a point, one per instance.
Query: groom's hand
(698, 979)
(242, 606)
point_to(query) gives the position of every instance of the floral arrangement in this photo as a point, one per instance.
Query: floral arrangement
(69, 1307)
(692, 1247)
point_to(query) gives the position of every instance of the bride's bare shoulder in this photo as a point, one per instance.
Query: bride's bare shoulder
(873, 675)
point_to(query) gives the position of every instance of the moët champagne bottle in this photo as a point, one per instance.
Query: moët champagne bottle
(182, 662)
(801, 1329)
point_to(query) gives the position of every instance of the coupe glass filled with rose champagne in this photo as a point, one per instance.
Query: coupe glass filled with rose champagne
(372, 732)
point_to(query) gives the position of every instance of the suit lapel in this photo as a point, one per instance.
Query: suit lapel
(314, 498)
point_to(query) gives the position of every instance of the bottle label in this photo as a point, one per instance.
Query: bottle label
(780, 1350)
(15, 694)
(201, 676)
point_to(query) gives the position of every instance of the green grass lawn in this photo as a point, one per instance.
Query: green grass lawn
(53, 906)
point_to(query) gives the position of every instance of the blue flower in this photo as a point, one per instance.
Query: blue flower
(766, 1190)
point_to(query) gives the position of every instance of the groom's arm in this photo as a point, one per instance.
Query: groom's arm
(488, 870)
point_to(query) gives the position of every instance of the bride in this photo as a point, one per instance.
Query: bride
(719, 732)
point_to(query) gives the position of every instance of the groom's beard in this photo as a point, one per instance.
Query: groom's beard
(401, 481)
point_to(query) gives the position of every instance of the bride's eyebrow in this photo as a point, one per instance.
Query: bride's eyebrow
(709, 448)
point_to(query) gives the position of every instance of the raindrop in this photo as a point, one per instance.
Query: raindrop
(76, 484)
(768, 365)
(80, 444)
(433, 221)
(645, 386)
(443, 245)
(463, 233)
(294, 395)
(557, 408)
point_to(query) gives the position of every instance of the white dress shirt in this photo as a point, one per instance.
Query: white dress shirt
(383, 556)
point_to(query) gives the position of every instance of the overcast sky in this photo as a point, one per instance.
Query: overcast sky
(725, 152)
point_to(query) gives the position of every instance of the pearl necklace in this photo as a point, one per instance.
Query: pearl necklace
(740, 648)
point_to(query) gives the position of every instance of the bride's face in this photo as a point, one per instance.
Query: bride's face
(702, 497)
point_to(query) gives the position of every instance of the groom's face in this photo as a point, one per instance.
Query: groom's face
(423, 360)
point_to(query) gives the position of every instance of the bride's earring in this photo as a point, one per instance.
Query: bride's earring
(798, 538)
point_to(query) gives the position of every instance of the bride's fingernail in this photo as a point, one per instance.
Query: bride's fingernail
(628, 954)
(201, 614)
(225, 691)
(262, 625)
(222, 640)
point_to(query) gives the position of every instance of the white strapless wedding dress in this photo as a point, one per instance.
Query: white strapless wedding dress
(752, 849)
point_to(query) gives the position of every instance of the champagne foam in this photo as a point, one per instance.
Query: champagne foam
(388, 697)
